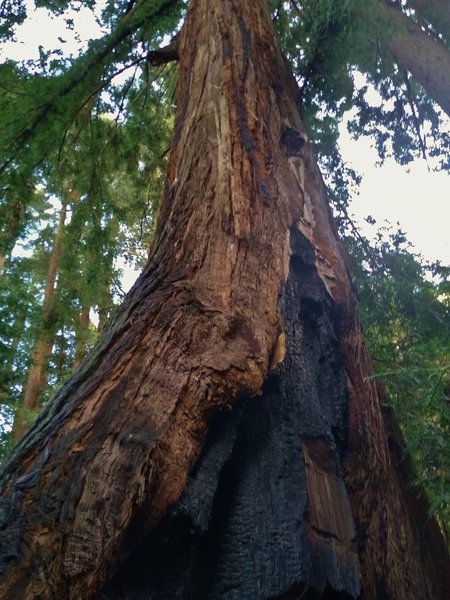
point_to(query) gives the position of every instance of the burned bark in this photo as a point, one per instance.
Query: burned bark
(265, 511)
(228, 404)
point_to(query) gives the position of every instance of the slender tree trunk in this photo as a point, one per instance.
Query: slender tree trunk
(36, 377)
(427, 59)
(435, 12)
(19, 329)
(105, 307)
(105, 296)
(12, 224)
(81, 336)
(225, 426)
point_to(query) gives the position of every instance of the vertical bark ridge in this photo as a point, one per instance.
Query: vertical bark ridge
(394, 563)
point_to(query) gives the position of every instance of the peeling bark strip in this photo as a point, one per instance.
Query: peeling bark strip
(244, 226)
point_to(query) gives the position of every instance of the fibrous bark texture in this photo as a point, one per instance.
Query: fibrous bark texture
(225, 423)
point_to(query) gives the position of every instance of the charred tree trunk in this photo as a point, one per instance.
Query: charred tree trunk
(36, 377)
(224, 427)
(426, 58)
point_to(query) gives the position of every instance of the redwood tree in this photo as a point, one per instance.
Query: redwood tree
(224, 440)
(36, 376)
(426, 58)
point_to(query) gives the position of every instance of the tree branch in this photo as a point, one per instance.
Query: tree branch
(129, 24)
(165, 54)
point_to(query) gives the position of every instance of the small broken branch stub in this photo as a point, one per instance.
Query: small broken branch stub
(165, 54)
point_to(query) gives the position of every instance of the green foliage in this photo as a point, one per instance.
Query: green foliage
(43, 104)
(73, 132)
(400, 118)
(405, 308)
(20, 303)
(316, 39)
(329, 44)
(12, 13)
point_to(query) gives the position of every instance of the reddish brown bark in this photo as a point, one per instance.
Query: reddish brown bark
(244, 213)
(426, 58)
(36, 377)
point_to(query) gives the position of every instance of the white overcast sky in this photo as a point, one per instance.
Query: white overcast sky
(413, 196)
(417, 199)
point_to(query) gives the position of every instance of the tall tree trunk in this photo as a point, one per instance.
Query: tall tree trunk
(12, 223)
(19, 329)
(105, 306)
(81, 336)
(225, 425)
(427, 59)
(36, 377)
(105, 301)
(435, 12)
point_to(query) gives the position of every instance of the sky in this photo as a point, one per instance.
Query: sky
(413, 196)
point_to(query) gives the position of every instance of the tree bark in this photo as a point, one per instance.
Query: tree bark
(426, 58)
(81, 336)
(226, 419)
(12, 225)
(36, 377)
(436, 13)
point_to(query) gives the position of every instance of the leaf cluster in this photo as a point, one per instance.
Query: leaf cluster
(405, 308)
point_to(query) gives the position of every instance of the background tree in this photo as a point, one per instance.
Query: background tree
(112, 178)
